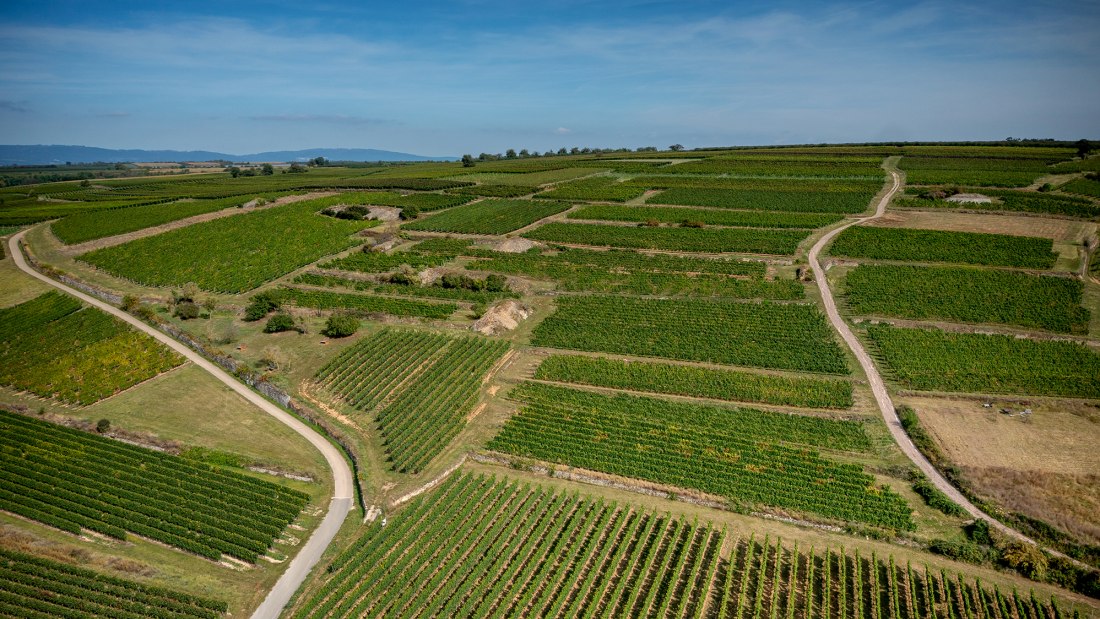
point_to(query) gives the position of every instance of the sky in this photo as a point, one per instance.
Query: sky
(471, 76)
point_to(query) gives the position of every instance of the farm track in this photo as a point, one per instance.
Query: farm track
(878, 387)
(343, 498)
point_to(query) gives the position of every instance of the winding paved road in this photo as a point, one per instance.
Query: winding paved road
(343, 497)
(882, 397)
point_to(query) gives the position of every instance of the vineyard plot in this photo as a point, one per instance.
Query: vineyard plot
(932, 360)
(914, 245)
(968, 295)
(34, 587)
(709, 240)
(492, 216)
(782, 199)
(719, 384)
(752, 457)
(768, 335)
(419, 386)
(477, 547)
(365, 304)
(725, 217)
(51, 347)
(73, 480)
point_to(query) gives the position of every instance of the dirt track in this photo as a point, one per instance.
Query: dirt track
(343, 498)
(878, 387)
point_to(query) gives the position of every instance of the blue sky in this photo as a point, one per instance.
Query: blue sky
(446, 78)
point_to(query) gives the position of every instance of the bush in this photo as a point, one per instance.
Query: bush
(688, 223)
(1026, 559)
(341, 325)
(262, 304)
(187, 310)
(281, 322)
(103, 425)
(409, 212)
(959, 551)
(934, 497)
(496, 283)
(130, 303)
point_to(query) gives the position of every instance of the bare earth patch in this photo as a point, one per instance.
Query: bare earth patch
(516, 245)
(1058, 229)
(503, 316)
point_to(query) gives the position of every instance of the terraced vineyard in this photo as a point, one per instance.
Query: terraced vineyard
(753, 164)
(791, 337)
(51, 347)
(711, 240)
(379, 262)
(914, 245)
(750, 219)
(35, 588)
(932, 360)
(1012, 201)
(968, 295)
(481, 548)
(752, 458)
(260, 246)
(696, 381)
(419, 387)
(72, 480)
(779, 199)
(364, 304)
(601, 188)
(433, 291)
(489, 217)
(975, 171)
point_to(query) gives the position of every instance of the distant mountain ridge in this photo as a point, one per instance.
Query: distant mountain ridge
(56, 154)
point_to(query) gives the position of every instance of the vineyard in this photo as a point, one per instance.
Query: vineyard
(753, 458)
(710, 240)
(768, 335)
(968, 295)
(491, 216)
(51, 347)
(975, 172)
(758, 185)
(364, 304)
(929, 360)
(260, 246)
(527, 179)
(72, 480)
(37, 588)
(379, 262)
(1014, 201)
(782, 200)
(419, 387)
(434, 291)
(600, 188)
(744, 164)
(770, 580)
(751, 219)
(915, 245)
(482, 548)
(496, 191)
(1083, 186)
(697, 381)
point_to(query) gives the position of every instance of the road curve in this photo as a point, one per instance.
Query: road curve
(878, 387)
(343, 488)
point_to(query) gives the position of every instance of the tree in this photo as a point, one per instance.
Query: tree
(562, 151)
(296, 168)
(574, 151)
(340, 325)
(267, 170)
(676, 148)
(467, 161)
(318, 161)
(524, 153)
(103, 425)
(234, 171)
(1084, 147)
(281, 322)
(511, 153)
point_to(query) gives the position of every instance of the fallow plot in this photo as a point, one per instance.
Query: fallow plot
(489, 217)
(73, 480)
(912, 245)
(708, 240)
(753, 457)
(932, 360)
(779, 336)
(968, 295)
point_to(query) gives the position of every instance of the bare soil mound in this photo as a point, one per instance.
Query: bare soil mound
(503, 316)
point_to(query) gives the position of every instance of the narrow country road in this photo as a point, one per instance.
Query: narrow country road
(343, 497)
(882, 397)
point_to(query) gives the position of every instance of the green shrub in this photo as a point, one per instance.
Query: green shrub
(103, 425)
(187, 310)
(341, 325)
(281, 322)
(262, 304)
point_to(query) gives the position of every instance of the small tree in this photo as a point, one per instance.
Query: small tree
(341, 325)
(187, 310)
(467, 161)
(510, 154)
(676, 148)
(234, 171)
(524, 153)
(103, 425)
(1084, 147)
(130, 303)
(281, 322)
(267, 169)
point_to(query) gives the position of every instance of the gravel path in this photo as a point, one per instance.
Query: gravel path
(343, 488)
(878, 387)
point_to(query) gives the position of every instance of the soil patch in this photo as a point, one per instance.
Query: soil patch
(502, 317)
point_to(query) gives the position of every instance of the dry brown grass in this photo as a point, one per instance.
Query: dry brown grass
(1069, 502)
(1043, 465)
(1060, 230)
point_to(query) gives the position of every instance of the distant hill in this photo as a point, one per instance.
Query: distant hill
(54, 154)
